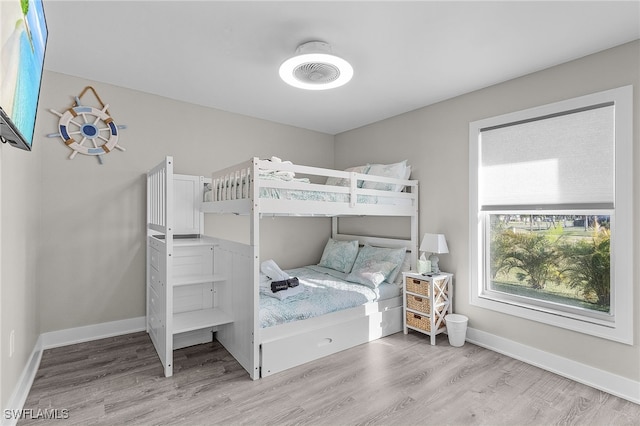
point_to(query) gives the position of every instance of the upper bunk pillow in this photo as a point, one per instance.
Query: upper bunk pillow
(339, 255)
(371, 260)
(345, 182)
(396, 170)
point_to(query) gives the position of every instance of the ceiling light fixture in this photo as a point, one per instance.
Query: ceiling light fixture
(315, 67)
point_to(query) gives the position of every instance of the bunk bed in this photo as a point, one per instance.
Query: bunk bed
(198, 284)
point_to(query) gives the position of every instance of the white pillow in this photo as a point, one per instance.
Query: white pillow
(339, 255)
(345, 182)
(373, 257)
(371, 273)
(396, 170)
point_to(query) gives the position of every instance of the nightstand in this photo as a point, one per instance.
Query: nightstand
(426, 301)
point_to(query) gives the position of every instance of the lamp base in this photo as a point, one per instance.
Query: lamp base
(434, 264)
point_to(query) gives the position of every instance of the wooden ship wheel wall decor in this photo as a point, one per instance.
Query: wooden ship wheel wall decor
(88, 130)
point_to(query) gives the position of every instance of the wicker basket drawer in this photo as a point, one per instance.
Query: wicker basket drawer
(417, 303)
(414, 285)
(421, 322)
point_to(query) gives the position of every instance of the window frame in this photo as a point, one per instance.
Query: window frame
(619, 327)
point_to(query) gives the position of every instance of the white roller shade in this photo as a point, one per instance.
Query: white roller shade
(560, 160)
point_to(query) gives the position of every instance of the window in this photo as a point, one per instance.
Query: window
(551, 214)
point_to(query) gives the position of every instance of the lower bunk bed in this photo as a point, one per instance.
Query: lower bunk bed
(327, 311)
(338, 303)
(330, 310)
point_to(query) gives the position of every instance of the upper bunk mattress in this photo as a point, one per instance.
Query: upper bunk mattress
(322, 291)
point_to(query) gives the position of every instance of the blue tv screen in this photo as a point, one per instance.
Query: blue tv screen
(23, 40)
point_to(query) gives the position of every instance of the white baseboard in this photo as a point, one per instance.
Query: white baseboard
(581, 373)
(70, 336)
(11, 413)
(55, 339)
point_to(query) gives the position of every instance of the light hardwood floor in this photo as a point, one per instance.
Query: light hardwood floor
(398, 380)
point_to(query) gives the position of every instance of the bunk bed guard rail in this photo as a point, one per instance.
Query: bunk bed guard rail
(237, 182)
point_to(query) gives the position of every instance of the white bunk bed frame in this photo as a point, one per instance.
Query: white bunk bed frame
(235, 312)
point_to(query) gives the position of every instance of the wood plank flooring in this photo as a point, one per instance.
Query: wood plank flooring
(398, 380)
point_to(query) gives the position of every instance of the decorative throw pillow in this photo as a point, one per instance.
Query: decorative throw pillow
(369, 255)
(396, 170)
(345, 182)
(339, 255)
(371, 272)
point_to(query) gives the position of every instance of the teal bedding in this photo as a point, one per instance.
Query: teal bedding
(324, 291)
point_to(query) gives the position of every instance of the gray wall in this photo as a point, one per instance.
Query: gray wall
(435, 139)
(19, 212)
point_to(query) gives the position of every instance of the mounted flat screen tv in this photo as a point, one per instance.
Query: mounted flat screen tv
(23, 39)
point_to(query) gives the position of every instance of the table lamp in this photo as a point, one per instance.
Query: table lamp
(434, 244)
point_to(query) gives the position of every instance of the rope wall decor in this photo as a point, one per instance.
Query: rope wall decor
(88, 130)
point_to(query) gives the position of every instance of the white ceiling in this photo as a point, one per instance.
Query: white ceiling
(405, 55)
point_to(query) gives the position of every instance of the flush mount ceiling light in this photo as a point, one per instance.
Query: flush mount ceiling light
(315, 67)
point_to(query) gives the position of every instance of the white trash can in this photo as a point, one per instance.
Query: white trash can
(456, 329)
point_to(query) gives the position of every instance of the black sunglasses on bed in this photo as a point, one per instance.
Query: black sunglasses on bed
(277, 286)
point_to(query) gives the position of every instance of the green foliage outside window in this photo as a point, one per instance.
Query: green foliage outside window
(587, 266)
(558, 259)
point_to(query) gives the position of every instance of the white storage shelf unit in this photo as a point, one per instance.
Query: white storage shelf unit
(195, 286)
(186, 284)
(427, 300)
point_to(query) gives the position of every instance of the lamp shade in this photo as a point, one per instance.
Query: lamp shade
(434, 243)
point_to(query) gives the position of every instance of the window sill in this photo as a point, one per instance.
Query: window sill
(610, 330)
